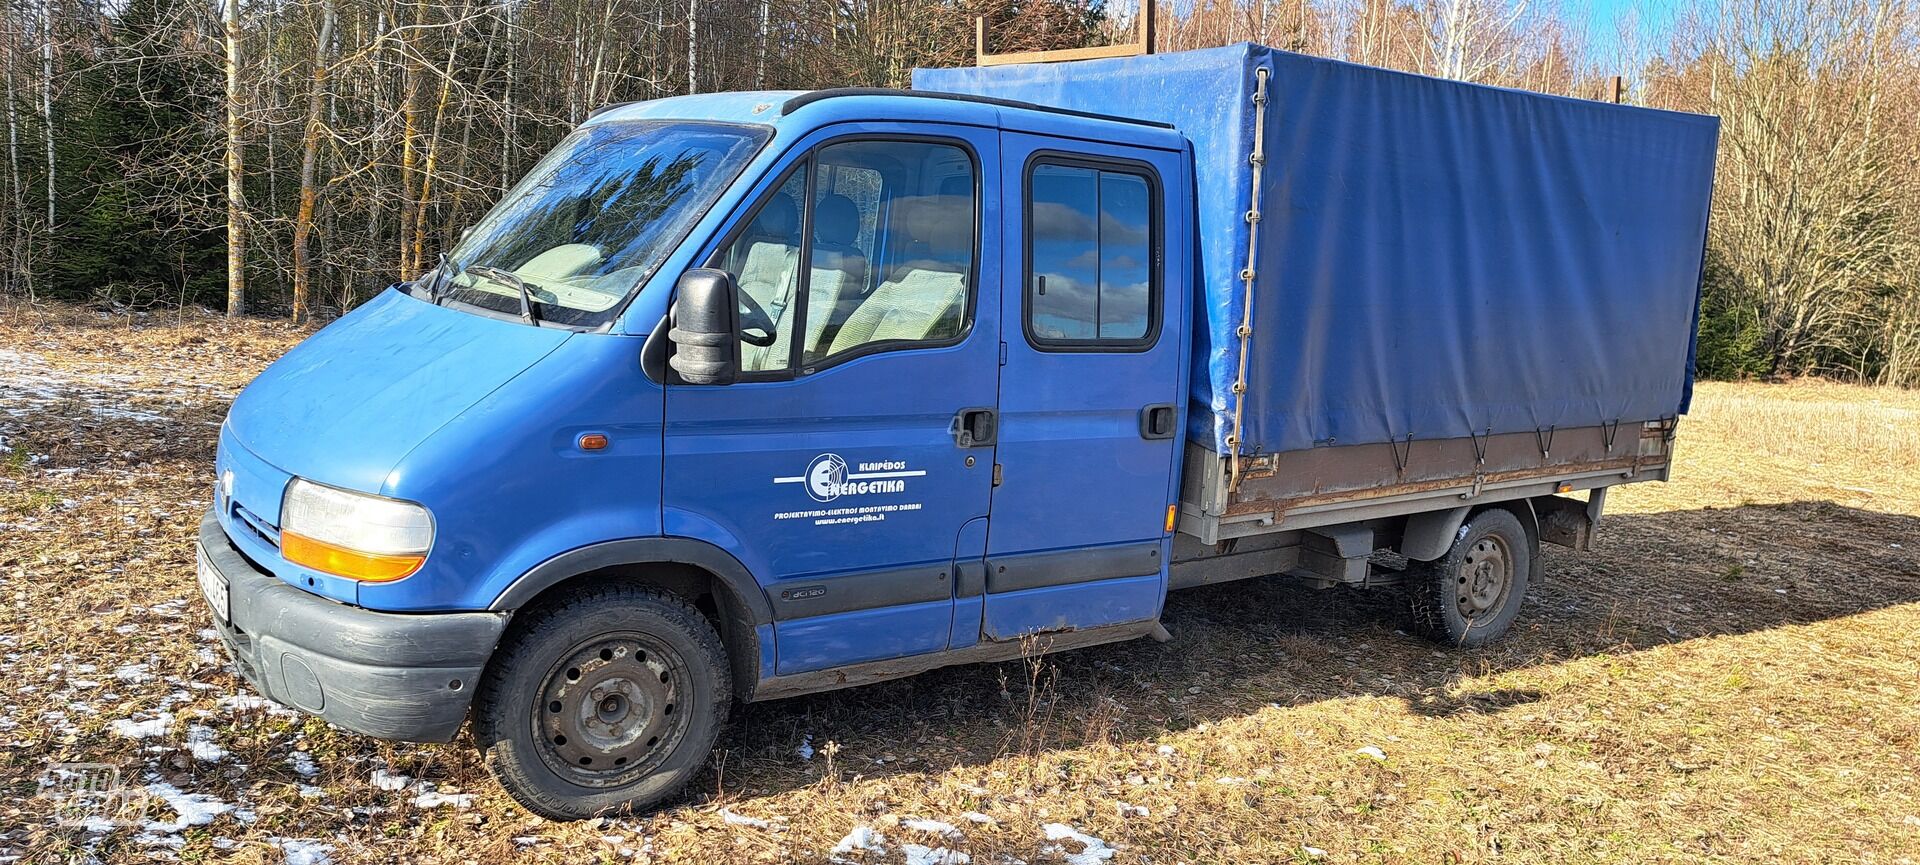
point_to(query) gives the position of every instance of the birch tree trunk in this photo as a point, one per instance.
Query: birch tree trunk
(409, 131)
(693, 46)
(418, 248)
(17, 218)
(309, 163)
(766, 20)
(507, 146)
(236, 203)
(46, 101)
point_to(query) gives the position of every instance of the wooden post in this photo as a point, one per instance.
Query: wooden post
(1616, 89)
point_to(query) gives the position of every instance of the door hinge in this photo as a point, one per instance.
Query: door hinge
(1003, 354)
(996, 474)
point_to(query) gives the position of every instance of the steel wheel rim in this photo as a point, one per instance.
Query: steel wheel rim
(1483, 579)
(612, 710)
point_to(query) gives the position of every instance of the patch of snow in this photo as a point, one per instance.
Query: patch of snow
(151, 839)
(304, 851)
(1315, 852)
(938, 826)
(921, 855)
(385, 780)
(863, 838)
(733, 819)
(252, 703)
(308, 791)
(133, 674)
(190, 809)
(302, 763)
(1092, 850)
(1166, 750)
(806, 748)
(200, 742)
(1371, 751)
(1127, 810)
(131, 729)
(432, 799)
(977, 817)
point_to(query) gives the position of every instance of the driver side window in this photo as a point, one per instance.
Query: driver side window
(868, 245)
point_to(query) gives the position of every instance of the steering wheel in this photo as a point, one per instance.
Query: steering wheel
(753, 317)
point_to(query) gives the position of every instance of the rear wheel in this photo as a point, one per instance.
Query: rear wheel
(607, 700)
(1470, 596)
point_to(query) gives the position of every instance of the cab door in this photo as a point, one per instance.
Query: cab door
(1090, 397)
(842, 466)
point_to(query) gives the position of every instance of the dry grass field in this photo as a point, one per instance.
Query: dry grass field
(1733, 675)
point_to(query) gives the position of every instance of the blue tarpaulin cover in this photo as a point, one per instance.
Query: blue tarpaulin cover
(1435, 258)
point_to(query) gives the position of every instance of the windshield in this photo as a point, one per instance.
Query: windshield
(594, 219)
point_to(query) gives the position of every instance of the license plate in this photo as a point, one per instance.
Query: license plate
(212, 585)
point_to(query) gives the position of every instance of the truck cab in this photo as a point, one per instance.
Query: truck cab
(735, 396)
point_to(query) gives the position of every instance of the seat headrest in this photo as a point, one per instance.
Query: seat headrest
(778, 219)
(836, 220)
(943, 222)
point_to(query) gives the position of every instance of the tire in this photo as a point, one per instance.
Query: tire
(641, 686)
(1470, 596)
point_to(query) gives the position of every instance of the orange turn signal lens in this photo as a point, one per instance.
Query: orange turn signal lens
(1173, 513)
(342, 562)
(593, 442)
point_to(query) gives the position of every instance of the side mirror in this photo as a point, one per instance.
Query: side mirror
(705, 328)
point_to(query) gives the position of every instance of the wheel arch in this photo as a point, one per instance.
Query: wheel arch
(695, 570)
(1429, 535)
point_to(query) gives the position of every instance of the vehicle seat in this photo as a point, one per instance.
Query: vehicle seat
(923, 298)
(767, 270)
(837, 269)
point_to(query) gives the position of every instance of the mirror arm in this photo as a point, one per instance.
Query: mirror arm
(653, 353)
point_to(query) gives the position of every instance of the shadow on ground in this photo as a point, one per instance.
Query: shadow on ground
(1654, 579)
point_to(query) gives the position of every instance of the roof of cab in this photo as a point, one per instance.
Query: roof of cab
(819, 107)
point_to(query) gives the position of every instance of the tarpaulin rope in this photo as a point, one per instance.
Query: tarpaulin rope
(1258, 159)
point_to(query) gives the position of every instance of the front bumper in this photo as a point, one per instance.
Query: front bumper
(396, 676)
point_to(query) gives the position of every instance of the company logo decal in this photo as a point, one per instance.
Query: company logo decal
(828, 477)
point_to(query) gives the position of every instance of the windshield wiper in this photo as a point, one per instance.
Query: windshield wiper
(513, 280)
(443, 275)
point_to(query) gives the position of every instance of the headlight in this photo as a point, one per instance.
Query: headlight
(353, 535)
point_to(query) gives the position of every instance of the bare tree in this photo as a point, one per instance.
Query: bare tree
(236, 178)
(310, 161)
(46, 103)
(19, 272)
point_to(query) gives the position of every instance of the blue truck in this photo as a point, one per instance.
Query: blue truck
(746, 395)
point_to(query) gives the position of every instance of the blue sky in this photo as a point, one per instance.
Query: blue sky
(1602, 14)
(1602, 18)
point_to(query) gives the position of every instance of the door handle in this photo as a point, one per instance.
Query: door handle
(975, 427)
(1157, 421)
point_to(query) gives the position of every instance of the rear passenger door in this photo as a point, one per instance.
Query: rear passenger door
(1090, 419)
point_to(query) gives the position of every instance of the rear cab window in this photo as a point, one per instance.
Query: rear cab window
(1092, 248)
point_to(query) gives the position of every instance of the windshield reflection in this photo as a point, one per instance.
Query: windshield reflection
(595, 218)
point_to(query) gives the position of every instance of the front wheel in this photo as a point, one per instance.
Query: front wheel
(607, 700)
(1470, 596)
